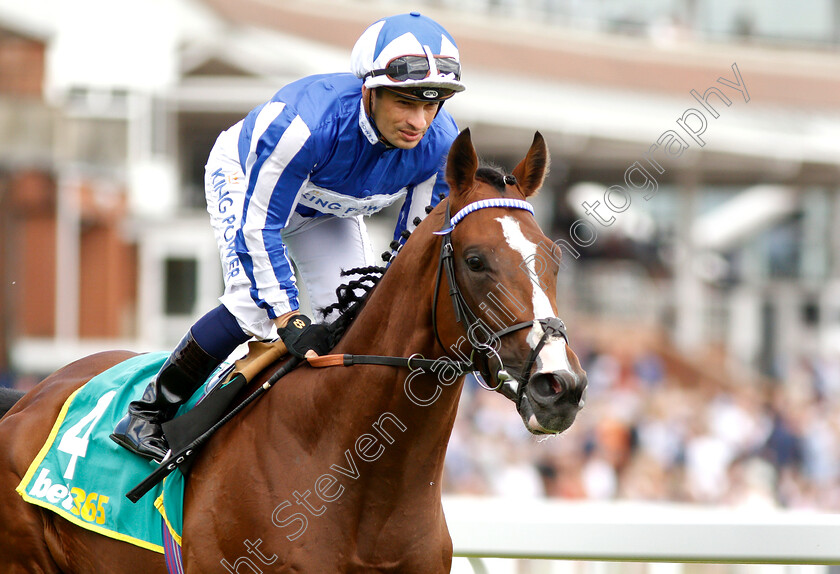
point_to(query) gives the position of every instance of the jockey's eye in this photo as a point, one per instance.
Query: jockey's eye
(475, 263)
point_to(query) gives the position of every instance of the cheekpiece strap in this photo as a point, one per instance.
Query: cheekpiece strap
(481, 204)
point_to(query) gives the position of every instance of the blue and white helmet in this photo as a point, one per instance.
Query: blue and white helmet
(410, 52)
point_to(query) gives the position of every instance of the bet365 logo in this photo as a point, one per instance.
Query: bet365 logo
(89, 506)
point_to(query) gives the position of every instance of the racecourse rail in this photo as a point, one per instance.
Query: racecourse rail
(628, 531)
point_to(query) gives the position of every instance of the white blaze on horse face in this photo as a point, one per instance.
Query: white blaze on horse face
(552, 357)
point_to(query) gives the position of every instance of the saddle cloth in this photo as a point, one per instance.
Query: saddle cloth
(82, 475)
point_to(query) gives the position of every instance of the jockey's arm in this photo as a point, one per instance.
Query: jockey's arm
(276, 177)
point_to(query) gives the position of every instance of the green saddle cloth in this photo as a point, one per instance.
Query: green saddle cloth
(82, 475)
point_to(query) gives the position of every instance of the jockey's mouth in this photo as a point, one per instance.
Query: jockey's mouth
(412, 135)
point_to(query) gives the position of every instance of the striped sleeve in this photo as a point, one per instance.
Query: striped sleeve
(419, 196)
(277, 167)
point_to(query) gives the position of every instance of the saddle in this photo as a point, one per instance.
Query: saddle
(188, 432)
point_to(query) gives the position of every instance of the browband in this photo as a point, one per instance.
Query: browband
(481, 204)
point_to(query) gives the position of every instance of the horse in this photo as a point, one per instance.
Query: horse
(339, 469)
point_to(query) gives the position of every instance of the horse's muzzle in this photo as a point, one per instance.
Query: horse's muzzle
(552, 400)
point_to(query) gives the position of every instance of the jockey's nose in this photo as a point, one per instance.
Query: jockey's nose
(417, 118)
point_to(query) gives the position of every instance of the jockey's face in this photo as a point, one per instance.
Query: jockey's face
(400, 121)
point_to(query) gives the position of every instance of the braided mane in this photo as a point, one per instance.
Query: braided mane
(352, 296)
(492, 175)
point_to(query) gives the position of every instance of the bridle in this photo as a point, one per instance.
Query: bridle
(512, 386)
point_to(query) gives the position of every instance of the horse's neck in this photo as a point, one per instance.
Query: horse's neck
(396, 321)
(397, 317)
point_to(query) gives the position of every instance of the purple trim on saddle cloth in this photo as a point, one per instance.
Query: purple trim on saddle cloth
(171, 552)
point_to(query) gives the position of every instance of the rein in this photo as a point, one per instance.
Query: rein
(415, 361)
(510, 386)
(464, 314)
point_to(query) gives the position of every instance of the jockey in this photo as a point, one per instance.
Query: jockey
(291, 183)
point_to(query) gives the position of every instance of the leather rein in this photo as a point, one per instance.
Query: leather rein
(512, 386)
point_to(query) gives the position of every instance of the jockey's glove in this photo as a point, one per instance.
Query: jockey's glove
(300, 335)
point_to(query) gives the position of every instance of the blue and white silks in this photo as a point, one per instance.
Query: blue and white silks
(311, 150)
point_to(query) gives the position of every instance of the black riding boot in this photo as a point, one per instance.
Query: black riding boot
(181, 375)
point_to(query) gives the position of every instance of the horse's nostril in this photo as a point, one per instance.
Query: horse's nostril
(550, 386)
(559, 385)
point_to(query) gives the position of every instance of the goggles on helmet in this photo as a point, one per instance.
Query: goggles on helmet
(412, 67)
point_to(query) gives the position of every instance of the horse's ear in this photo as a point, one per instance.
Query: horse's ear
(530, 173)
(461, 165)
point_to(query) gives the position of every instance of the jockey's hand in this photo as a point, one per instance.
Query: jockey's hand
(302, 338)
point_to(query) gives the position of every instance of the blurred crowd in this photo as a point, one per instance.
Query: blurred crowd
(643, 435)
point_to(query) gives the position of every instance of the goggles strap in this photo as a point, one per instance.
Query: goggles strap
(433, 70)
(382, 140)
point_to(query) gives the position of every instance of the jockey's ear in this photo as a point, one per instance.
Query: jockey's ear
(461, 165)
(530, 173)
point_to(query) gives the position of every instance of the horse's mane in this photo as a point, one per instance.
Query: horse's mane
(492, 175)
(353, 294)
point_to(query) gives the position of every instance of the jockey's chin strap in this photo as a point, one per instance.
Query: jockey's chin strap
(484, 351)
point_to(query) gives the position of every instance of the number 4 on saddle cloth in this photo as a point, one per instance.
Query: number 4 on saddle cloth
(82, 475)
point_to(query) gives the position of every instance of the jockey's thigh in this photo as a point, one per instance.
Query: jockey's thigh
(321, 247)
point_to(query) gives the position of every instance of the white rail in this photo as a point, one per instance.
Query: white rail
(508, 528)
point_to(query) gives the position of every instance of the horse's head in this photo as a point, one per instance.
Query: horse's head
(505, 269)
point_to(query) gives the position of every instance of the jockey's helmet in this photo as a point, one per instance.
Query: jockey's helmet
(411, 53)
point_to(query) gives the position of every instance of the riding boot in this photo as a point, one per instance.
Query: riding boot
(181, 375)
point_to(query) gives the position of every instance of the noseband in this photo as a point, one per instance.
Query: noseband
(506, 384)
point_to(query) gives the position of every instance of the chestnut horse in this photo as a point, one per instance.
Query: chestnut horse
(339, 469)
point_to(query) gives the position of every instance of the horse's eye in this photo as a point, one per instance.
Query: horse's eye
(475, 263)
